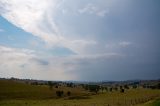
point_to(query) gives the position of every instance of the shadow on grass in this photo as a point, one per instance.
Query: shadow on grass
(77, 97)
(156, 102)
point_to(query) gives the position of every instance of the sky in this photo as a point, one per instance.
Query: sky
(81, 40)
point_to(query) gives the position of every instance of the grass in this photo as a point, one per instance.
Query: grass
(151, 103)
(11, 90)
(14, 90)
(156, 103)
(20, 94)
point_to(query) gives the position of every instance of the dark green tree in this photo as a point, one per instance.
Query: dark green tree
(68, 93)
(126, 86)
(106, 88)
(122, 90)
(94, 88)
(110, 89)
(50, 84)
(59, 93)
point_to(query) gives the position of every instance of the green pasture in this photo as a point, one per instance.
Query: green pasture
(21, 94)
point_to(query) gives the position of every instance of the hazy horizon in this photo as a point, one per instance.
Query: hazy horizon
(80, 40)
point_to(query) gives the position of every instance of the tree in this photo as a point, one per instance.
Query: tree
(86, 87)
(120, 87)
(126, 86)
(34, 83)
(70, 85)
(68, 93)
(56, 86)
(134, 86)
(106, 88)
(102, 88)
(110, 89)
(59, 93)
(115, 88)
(93, 88)
(122, 90)
(158, 86)
(50, 84)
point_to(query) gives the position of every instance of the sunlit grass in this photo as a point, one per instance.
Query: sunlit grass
(20, 94)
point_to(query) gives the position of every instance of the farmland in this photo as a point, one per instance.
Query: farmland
(14, 93)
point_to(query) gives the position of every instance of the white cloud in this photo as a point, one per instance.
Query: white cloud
(80, 46)
(24, 63)
(102, 13)
(116, 45)
(125, 43)
(16, 52)
(38, 17)
(29, 15)
(92, 9)
(12, 58)
(41, 18)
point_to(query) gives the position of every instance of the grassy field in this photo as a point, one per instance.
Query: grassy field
(151, 103)
(14, 90)
(21, 94)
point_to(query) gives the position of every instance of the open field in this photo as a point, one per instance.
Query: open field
(16, 90)
(21, 94)
(79, 52)
(151, 103)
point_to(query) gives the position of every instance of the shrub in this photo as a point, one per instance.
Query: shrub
(59, 93)
(134, 86)
(50, 84)
(126, 86)
(93, 88)
(106, 88)
(122, 90)
(68, 93)
(56, 86)
(110, 89)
